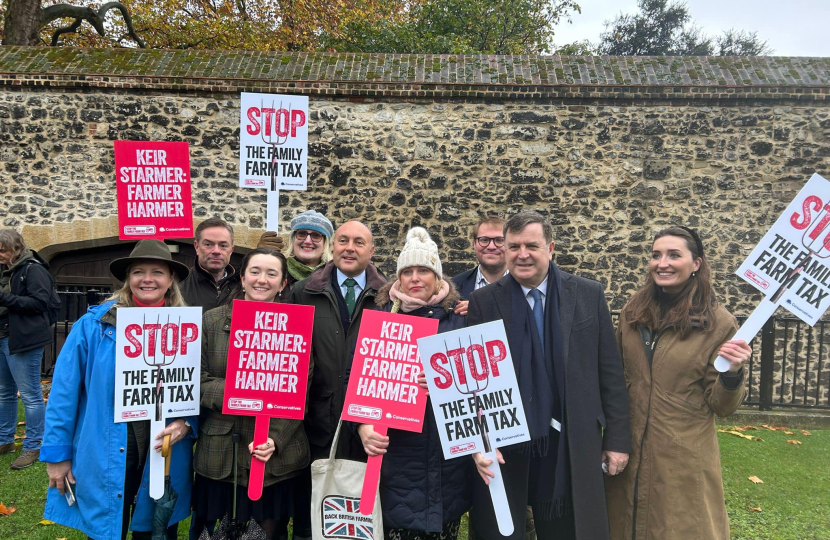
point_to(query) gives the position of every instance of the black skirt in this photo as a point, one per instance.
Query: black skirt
(212, 499)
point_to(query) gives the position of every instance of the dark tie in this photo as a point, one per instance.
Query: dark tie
(350, 284)
(539, 315)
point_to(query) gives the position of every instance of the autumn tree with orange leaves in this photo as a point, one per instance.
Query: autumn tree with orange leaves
(269, 25)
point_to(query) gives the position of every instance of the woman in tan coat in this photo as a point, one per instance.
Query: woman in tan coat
(669, 335)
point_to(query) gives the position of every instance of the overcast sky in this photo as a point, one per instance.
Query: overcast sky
(792, 28)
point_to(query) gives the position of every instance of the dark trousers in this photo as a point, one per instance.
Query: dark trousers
(520, 479)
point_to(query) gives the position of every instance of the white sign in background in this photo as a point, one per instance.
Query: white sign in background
(273, 146)
(791, 263)
(475, 399)
(796, 250)
(157, 371)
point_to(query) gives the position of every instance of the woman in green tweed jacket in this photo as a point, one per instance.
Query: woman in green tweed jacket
(286, 451)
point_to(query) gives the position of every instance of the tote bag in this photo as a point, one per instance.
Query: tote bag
(335, 500)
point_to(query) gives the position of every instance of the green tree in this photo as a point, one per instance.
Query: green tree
(664, 28)
(458, 26)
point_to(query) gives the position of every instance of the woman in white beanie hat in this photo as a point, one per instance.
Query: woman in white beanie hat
(423, 496)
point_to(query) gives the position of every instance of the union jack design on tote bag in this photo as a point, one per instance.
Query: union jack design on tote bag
(342, 519)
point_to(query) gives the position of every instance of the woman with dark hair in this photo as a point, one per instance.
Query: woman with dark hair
(263, 275)
(102, 461)
(669, 335)
(25, 290)
(423, 496)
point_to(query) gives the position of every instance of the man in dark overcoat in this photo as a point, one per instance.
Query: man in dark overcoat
(573, 390)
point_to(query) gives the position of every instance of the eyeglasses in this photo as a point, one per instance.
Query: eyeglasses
(484, 241)
(302, 235)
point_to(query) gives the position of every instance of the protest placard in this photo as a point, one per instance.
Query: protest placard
(475, 399)
(383, 385)
(157, 362)
(273, 146)
(153, 190)
(267, 375)
(790, 263)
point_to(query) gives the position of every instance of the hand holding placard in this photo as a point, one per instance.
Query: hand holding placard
(791, 261)
(267, 375)
(383, 386)
(475, 399)
(157, 360)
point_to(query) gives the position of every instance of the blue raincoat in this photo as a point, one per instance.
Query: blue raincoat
(80, 427)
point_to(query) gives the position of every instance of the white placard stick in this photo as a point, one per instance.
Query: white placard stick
(499, 496)
(272, 213)
(156, 461)
(750, 328)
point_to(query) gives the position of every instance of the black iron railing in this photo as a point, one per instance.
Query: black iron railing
(789, 366)
(75, 299)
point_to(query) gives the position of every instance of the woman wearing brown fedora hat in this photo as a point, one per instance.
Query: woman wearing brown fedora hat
(103, 461)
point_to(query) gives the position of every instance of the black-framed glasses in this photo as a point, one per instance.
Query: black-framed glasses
(484, 241)
(301, 235)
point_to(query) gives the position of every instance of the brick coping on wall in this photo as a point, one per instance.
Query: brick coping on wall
(677, 79)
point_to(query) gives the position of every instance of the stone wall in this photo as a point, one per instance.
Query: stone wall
(610, 149)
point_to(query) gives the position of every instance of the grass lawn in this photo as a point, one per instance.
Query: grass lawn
(794, 499)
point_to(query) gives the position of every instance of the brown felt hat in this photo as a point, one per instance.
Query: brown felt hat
(148, 250)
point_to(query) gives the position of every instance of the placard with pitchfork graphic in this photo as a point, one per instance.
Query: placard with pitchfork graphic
(475, 399)
(791, 263)
(157, 359)
(273, 146)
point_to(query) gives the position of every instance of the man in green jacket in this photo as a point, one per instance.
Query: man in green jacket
(339, 292)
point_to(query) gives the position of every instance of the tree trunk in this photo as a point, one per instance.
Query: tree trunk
(21, 25)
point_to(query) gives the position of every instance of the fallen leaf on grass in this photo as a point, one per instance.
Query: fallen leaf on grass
(756, 509)
(793, 441)
(6, 511)
(733, 432)
(60, 538)
(774, 428)
(805, 432)
(755, 480)
(789, 433)
(16, 437)
(744, 428)
(21, 423)
(45, 522)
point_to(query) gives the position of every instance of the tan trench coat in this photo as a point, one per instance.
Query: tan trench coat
(674, 470)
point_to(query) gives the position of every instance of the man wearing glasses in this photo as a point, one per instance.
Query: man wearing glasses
(488, 241)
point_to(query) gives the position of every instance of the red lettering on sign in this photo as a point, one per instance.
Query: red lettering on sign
(795, 219)
(130, 332)
(496, 352)
(437, 361)
(190, 333)
(476, 352)
(279, 122)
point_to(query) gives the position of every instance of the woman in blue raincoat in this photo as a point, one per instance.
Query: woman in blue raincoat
(103, 461)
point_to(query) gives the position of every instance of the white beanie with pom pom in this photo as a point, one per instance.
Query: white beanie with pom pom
(419, 250)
